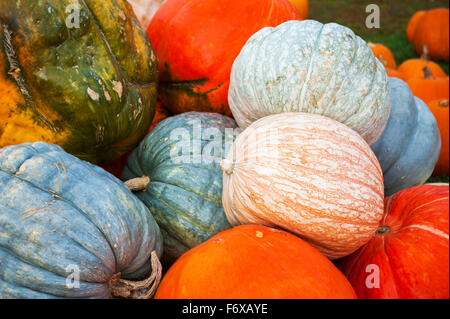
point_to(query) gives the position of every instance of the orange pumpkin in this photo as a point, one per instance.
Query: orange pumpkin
(308, 174)
(428, 87)
(432, 31)
(411, 29)
(254, 262)
(413, 68)
(394, 73)
(197, 41)
(440, 110)
(302, 7)
(383, 54)
(407, 257)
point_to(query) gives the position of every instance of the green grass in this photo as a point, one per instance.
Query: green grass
(394, 17)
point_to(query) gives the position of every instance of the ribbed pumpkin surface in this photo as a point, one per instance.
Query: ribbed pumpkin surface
(308, 174)
(59, 214)
(88, 87)
(410, 249)
(181, 156)
(307, 66)
(252, 261)
(409, 147)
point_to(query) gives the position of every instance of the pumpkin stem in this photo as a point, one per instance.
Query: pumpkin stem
(227, 166)
(383, 230)
(425, 51)
(427, 73)
(443, 103)
(144, 289)
(138, 184)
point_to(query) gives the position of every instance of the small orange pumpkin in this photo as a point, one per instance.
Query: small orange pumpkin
(432, 31)
(302, 8)
(440, 109)
(413, 68)
(254, 262)
(412, 25)
(383, 54)
(428, 87)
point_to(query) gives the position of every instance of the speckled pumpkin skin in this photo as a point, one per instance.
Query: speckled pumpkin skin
(58, 212)
(184, 198)
(307, 66)
(91, 90)
(410, 146)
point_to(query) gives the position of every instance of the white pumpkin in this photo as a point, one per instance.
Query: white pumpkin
(307, 174)
(307, 66)
(146, 9)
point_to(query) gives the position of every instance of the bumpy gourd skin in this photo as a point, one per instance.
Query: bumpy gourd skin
(91, 90)
(57, 213)
(185, 197)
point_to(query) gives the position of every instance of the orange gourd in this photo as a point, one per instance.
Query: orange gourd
(302, 8)
(384, 54)
(428, 87)
(197, 41)
(254, 262)
(432, 31)
(394, 73)
(407, 257)
(440, 109)
(412, 25)
(413, 68)
(308, 174)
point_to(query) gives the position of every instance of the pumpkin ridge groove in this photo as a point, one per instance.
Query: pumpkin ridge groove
(32, 289)
(310, 64)
(394, 275)
(70, 204)
(15, 73)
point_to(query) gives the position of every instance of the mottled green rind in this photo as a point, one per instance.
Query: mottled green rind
(184, 198)
(58, 212)
(108, 47)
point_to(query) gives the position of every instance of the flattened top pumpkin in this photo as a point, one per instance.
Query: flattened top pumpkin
(307, 66)
(80, 74)
(60, 215)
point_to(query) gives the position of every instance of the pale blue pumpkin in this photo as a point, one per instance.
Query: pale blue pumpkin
(409, 148)
(61, 217)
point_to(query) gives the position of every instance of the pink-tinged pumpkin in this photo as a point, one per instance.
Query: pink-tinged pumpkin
(307, 174)
(145, 9)
(408, 256)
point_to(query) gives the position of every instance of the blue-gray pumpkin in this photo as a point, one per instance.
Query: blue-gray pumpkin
(68, 229)
(182, 179)
(409, 148)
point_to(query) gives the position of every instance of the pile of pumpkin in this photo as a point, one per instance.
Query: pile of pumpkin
(264, 174)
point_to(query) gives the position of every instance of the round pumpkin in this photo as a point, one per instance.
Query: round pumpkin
(84, 79)
(407, 258)
(412, 24)
(196, 42)
(429, 88)
(432, 31)
(413, 68)
(394, 73)
(64, 221)
(410, 145)
(146, 9)
(440, 110)
(302, 7)
(254, 262)
(180, 163)
(305, 66)
(383, 54)
(308, 174)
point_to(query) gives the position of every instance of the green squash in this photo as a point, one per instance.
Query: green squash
(69, 229)
(181, 159)
(79, 74)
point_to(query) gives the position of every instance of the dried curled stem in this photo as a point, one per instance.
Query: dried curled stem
(144, 289)
(138, 184)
